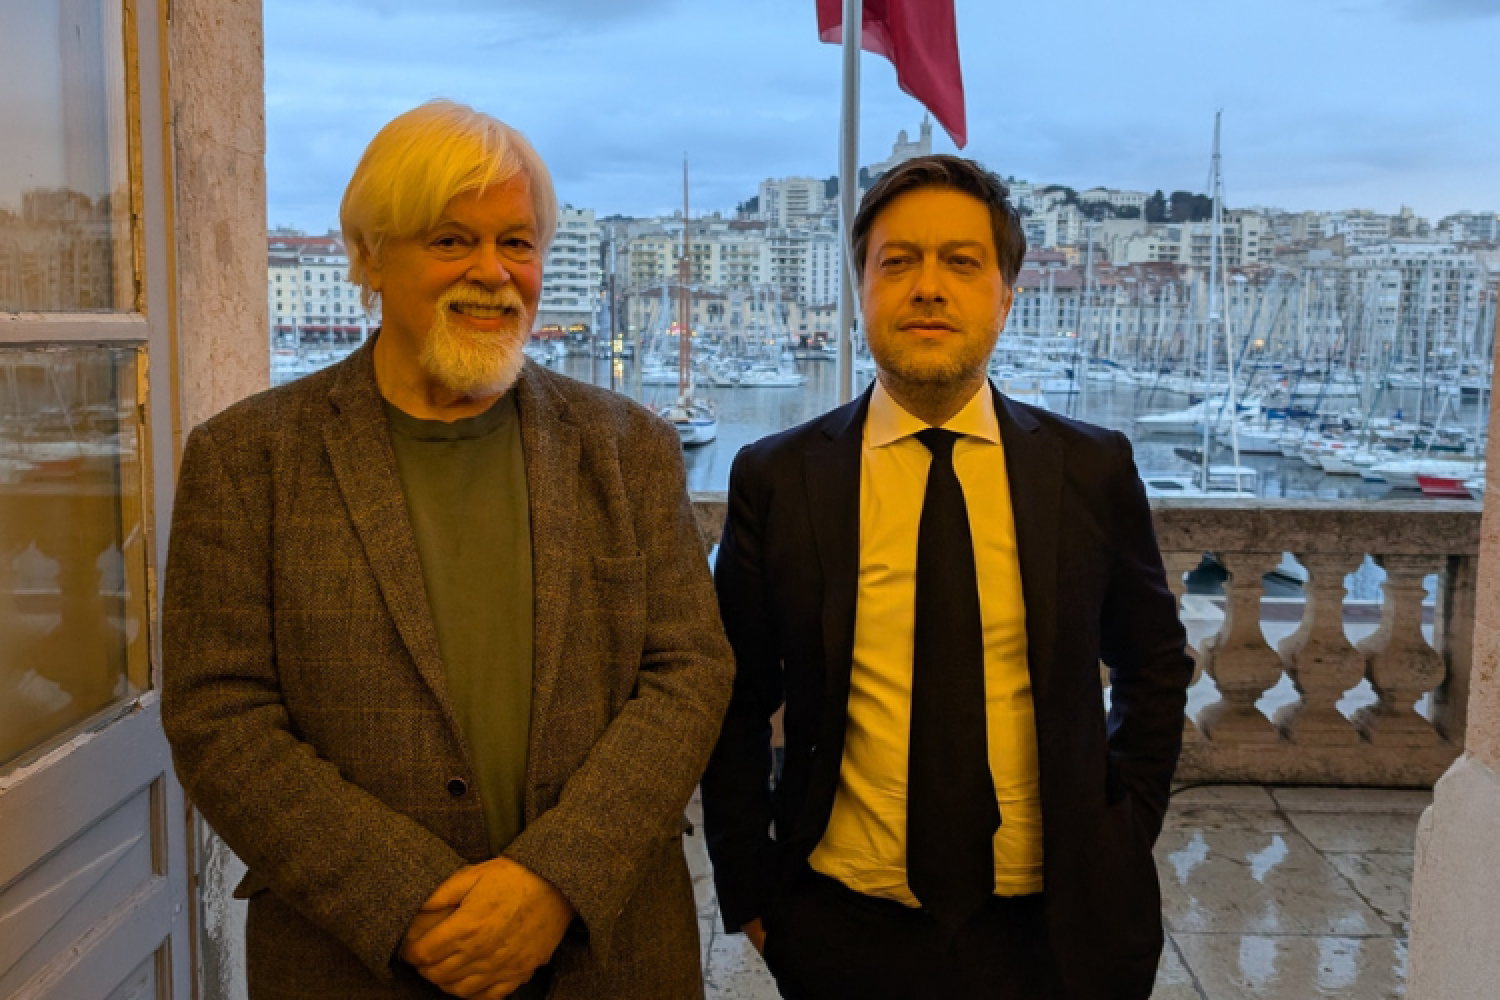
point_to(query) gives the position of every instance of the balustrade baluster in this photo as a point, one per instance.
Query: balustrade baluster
(1178, 565)
(1319, 658)
(1242, 665)
(1401, 665)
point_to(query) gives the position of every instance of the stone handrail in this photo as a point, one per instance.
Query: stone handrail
(1309, 740)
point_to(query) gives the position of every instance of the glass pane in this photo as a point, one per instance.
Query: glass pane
(64, 186)
(73, 611)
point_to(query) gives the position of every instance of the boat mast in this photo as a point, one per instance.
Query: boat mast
(1086, 325)
(1213, 303)
(685, 304)
(1422, 343)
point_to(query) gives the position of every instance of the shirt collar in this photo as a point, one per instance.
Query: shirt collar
(887, 422)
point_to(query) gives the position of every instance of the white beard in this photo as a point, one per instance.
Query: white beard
(472, 363)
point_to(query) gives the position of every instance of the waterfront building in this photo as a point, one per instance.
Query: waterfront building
(573, 275)
(1442, 296)
(724, 254)
(1048, 296)
(789, 262)
(821, 271)
(1129, 200)
(1243, 242)
(792, 201)
(742, 256)
(1407, 225)
(1022, 195)
(1359, 228)
(743, 318)
(649, 258)
(1111, 237)
(309, 296)
(1304, 227)
(1471, 227)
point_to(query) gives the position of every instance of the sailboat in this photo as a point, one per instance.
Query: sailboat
(696, 420)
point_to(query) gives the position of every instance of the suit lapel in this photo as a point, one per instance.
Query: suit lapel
(1034, 468)
(832, 469)
(364, 464)
(551, 447)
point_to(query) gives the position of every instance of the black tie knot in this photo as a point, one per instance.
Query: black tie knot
(939, 442)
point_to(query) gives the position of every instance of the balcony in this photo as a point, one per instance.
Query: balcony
(1316, 726)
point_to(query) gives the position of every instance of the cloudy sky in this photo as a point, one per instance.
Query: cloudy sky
(1327, 103)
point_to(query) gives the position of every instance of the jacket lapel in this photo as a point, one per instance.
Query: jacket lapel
(551, 448)
(364, 464)
(1034, 467)
(832, 469)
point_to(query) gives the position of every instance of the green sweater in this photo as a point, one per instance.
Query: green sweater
(465, 486)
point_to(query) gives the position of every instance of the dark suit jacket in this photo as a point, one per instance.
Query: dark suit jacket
(305, 702)
(1094, 588)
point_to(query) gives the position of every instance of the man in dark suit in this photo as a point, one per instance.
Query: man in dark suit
(443, 664)
(927, 578)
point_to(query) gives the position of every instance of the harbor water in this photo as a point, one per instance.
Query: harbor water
(748, 414)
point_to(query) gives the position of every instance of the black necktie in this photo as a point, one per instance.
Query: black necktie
(951, 812)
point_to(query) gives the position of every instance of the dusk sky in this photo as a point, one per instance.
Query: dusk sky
(1328, 104)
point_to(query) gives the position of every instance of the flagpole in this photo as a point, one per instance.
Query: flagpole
(854, 19)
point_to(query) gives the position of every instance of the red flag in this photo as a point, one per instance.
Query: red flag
(920, 38)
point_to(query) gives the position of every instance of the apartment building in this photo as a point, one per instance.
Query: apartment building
(573, 276)
(308, 291)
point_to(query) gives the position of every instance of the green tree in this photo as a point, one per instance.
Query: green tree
(1188, 207)
(1156, 207)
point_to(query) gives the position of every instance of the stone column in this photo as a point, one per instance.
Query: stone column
(1455, 938)
(1453, 635)
(219, 127)
(222, 330)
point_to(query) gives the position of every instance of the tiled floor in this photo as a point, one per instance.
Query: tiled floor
(1268, 894)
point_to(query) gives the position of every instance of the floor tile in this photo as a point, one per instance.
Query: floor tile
(1173, 981)
(1256, 967)
(1346, 833)
(1383, 880)
(707, 928)
(1250, 882)
(1352, 800)
(1210, 816)
(1230, 796)
(734, 971)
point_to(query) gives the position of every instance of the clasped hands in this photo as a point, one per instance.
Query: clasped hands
(486, 930)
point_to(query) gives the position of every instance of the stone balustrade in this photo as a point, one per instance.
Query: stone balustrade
(1308, 739)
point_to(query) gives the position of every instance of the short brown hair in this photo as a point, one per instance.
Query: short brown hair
(958, 174)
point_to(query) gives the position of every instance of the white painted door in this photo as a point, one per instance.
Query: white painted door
(94, 887)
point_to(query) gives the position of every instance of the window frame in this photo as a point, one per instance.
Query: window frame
(148, 325)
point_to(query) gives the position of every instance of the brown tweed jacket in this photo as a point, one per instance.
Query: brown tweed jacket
(305, 704)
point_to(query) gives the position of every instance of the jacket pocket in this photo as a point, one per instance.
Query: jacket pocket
(611, 625)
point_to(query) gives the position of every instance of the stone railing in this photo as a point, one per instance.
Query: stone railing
(1308, 739)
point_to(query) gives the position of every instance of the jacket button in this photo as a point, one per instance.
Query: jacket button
(458, 787)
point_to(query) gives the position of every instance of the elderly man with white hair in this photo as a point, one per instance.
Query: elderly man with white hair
(443, 659)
